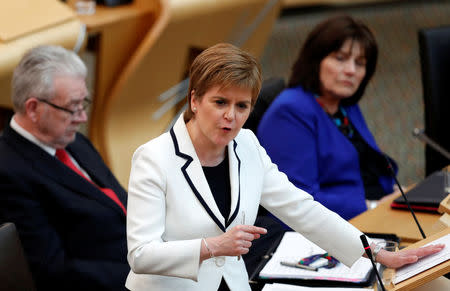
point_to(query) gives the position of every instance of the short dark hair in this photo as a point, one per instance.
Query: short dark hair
(327, 37)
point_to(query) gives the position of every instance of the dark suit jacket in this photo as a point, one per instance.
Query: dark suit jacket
(74, 236)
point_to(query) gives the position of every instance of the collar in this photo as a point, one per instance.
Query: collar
(27, 135)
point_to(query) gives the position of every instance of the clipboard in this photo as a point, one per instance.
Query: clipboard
(258, 281)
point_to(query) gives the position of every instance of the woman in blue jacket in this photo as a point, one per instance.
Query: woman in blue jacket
(314, 130)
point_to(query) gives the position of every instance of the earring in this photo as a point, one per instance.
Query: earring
(194, 109)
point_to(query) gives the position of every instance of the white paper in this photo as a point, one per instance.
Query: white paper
(287, 287)
(294, 247)
(425, 263)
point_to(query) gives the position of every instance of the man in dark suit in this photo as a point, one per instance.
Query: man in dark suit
(67, 205)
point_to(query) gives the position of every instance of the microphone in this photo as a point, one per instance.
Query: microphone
(418, 133)
(369, 255)
(403, 194)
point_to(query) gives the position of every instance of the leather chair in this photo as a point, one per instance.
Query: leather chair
(434, 48)
(269, 90)
(14, 271)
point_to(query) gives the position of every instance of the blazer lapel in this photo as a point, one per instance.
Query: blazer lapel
(89, 164)
(55, 170)
(235, 173)
(193, 172)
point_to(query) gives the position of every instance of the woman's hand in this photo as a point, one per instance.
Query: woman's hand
(237, 241)
(397, 259)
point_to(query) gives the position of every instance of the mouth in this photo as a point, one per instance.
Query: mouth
(347, 83)
(226, 129)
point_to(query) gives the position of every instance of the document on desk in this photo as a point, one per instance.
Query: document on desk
(425, 263)
(294, 247)
(287, 287)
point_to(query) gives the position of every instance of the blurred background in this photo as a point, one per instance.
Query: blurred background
(393, 102)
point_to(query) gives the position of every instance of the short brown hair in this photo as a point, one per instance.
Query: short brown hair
(327, 37)
(223, 65)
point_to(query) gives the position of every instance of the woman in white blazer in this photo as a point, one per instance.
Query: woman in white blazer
(194, 192)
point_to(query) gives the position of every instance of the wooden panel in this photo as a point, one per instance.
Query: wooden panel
(120, 31)
(26, 24)
(24, 17)
(300, 3)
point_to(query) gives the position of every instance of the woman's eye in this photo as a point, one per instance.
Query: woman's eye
(242, 105)
(361, 62)
(220, 102)
(340, 57)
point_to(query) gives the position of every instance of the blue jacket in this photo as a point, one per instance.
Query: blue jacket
(305, 144)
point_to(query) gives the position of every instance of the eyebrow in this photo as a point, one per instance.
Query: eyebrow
(78, 101)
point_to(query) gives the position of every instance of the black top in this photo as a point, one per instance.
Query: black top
(218, 178)
(372, 164)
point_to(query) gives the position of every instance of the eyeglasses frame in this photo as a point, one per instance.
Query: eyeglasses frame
(86, 103)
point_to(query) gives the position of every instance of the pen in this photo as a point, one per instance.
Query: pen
(297, 265)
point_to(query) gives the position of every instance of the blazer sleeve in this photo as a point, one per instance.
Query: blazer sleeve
(51, 265)
(148, 253)
(289, 134)
(302, 213)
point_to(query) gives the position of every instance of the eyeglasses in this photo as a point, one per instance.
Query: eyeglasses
(84, 106)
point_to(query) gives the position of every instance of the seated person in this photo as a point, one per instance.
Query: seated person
(68, 207)
(314, 130)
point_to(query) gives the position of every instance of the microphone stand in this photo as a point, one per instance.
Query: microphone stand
(418, 133)
(369, 255)
(404, 196)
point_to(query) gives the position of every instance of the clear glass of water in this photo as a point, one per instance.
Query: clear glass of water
(388, 273)
(85, 7)
(446, 172)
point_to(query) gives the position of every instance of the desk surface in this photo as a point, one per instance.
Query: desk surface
(384, 219)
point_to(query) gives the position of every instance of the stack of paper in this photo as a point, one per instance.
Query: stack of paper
(294, 247)
(286, 287)
(425, 263)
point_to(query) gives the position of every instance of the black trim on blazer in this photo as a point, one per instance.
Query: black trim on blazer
(228, 222)
(188, 179)
(197, 194)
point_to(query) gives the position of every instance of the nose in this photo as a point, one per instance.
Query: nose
(80, 116)
(350, 67)
(230, 113)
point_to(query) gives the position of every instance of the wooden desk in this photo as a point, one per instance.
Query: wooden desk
(384, 219)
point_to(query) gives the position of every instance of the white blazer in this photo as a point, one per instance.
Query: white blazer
(171, 207)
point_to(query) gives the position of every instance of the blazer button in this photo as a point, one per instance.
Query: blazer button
(220, 261)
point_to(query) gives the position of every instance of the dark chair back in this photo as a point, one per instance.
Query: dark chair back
(269, 90)
(14, 272)
(434, 48)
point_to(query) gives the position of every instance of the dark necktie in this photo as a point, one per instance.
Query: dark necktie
(64, 157)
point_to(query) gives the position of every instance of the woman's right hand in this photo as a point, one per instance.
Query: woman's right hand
(237, 241)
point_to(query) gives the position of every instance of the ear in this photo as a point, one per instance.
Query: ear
(31, 109)
(193, 99)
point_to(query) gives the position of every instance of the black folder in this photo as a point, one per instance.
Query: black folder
(425, 196)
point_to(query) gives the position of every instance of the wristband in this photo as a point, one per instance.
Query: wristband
(211, 255)
(375, 251)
